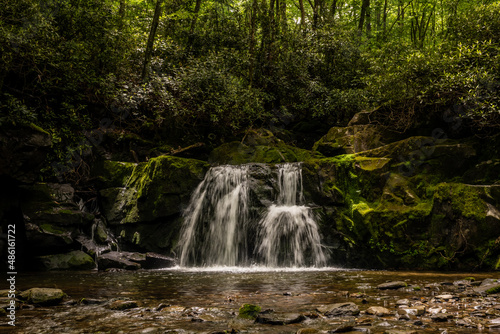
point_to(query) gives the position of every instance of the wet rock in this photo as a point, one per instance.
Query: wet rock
(383, 324)
(90, 301)
(339, 309)
(466, 322)
(100, 233)
(42, 296)
(416, 310)
(403, 302)
(307, 331)
(435, 310)
(342, 328)
(75, 260)
(120, 260)
(494, 323)
(392, 285)
(172, 309)
(400, 331)
(378, 311)
(121, 305)
(445, 297)
(286, 319)
(441, 317)
(158, 261)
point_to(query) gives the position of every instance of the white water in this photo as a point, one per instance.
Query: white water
(214, 230)
(217, 224)
(288, 234)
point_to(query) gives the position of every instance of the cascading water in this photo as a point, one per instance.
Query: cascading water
(217, 223)
(288, 233)
(214, 230)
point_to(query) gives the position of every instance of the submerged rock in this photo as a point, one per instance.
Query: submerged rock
(392, 285)
(339, 309)
(285, 319)
(342, 328)
(121, 305)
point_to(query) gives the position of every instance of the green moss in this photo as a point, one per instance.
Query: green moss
(236, 153)
(493, 290)
(39, 129)
(465, 199)
(249, 311)
(52, 229)
(136, 239)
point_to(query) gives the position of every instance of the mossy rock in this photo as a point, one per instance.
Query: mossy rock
(155, 189)
(236, 153)
(354, 139)
(493, 290)
(75, 260)
(249, 311)
(43, 296)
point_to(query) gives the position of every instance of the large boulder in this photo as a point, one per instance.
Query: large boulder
(155, 189)
(259, 146)
(354, 139)
(42, 296)
(75, 260)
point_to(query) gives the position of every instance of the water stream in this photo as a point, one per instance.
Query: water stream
(206, 300)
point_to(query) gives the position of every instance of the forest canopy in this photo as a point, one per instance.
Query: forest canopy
(178, 72)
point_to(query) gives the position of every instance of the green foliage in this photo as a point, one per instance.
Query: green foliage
(228, 66)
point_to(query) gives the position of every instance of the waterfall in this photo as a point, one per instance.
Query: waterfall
(217, 224)
(214, 230)
(288, 233)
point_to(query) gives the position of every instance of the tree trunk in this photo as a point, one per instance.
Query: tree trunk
(384, 20)
(364, 9)
(333, 10)
(302, 15)
(284, 24)
(193, 23)
(151, 40)
(121, 12)
(252, 42)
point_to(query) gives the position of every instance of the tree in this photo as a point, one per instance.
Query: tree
(151, 40)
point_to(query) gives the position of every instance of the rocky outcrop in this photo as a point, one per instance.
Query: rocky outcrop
(407, 203)
(142, 202)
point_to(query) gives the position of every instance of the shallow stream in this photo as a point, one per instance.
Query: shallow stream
(207, 301)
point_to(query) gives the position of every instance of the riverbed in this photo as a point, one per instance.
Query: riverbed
(180, 300)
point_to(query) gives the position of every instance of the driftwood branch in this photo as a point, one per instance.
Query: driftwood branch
(187, 148)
